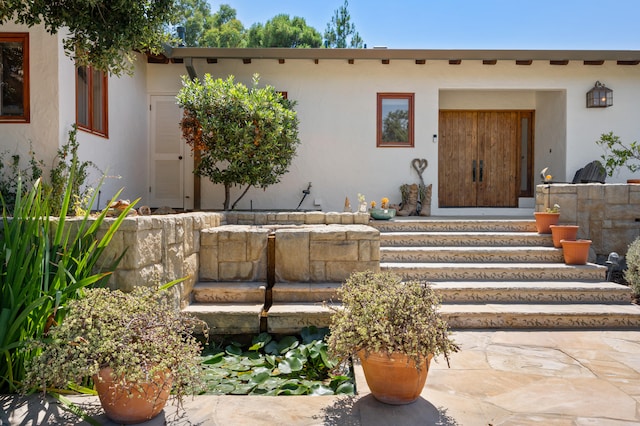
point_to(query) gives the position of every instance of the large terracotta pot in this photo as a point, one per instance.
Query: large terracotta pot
(132, 403)
(563, 232)
(394, 379)
(576, 252)
(544, 220)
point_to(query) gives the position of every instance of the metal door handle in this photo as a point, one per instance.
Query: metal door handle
(473, 171)
(481, 169)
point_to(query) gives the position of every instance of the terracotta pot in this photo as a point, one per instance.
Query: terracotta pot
(576, 252)
(563, 232)
(394, 379)
(544, 220)
(634, 181)
(132, 403)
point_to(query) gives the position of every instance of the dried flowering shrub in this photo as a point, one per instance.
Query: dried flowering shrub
(139, 335)
(381, 313)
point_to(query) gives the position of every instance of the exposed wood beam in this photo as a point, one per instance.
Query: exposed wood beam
(212, 60)
(281, 61)
(599, 62)
(385, 61)
(524, 61)
(420, 61)
(455, 61)
(628, 62)
(559, 62)
(489, 61)
(246, 61)
(351, 61)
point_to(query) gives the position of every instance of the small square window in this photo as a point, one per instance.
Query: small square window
(14, 77)
(395, 120)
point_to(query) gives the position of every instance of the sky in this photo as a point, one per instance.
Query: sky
(467, 24)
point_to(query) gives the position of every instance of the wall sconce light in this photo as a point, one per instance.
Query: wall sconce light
(600, 96)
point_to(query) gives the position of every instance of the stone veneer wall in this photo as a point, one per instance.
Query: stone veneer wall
(303, 253)
(162, 248)
(607, 214)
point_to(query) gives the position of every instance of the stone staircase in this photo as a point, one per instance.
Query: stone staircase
(503, 274)
(491, 273)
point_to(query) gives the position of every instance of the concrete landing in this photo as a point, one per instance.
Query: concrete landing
(499, 378)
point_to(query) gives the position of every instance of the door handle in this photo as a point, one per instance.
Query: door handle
(473, 170)
(481, 169)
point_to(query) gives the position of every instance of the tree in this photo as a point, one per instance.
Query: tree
(101, 33)
(223, 29)
(395, 126)
(283, 31)
(192, 15)
(245, 136)
(341, 32)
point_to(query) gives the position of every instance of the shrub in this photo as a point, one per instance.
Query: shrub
(632, 274)
(45, 264)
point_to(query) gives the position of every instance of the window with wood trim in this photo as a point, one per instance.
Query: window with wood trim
(395, 120)
(14, 78)
(92, 101)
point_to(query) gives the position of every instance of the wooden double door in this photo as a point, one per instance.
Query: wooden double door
(484, 158)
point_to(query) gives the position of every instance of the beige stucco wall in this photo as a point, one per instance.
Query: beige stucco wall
(337, 111)
(41, 132)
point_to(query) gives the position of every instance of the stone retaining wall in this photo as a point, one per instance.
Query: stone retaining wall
(607, 214)
(163, 248)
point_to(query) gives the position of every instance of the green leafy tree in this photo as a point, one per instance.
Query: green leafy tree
(341, 32)
(245, 136)
(192, 15)
(283, 31)
(100, 33)
(223, 29)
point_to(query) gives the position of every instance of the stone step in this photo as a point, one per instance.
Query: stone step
(547, 292)
(229, 291)
(465, 239)
(536, 316)
(471, 254)
(440, 224)
(292, 317)
(496, 271)
(228, 318)
(304, 292)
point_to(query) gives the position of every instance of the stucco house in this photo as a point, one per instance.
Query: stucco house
(486, 121)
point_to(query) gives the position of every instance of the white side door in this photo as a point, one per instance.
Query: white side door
(171, 165)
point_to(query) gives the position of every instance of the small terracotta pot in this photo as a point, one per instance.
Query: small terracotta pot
(544, 220)
(634, 181)
(132, 403)
(394, 379)
(563, 232)
(576, 252)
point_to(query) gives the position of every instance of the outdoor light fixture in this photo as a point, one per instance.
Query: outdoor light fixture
(600, 96)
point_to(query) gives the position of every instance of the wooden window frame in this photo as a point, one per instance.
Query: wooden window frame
(90, 127)
(26, 105)
(410, 143)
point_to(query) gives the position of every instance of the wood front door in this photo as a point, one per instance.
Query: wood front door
(480, 158)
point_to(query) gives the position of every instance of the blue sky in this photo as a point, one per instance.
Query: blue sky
(468, 24)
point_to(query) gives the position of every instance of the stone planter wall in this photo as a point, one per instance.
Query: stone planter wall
(159, 249)
(163, 248)
(303, 253)
(607, 214)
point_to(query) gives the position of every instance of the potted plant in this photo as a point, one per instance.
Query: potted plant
(137, 347)
(576, 252)
(545, 219)
(384, 212)
(395, 329)
(617, 154)
(563, 232)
